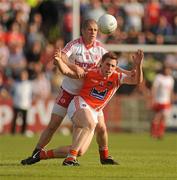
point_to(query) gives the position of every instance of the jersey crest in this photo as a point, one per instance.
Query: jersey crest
(98, 94)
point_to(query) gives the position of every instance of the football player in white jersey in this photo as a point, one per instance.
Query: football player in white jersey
(85, 52)
(162, 91)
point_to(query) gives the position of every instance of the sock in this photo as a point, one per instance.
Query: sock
(154, 129)
(72, 155)
(46, 154)
(161, 129)
(104, 153)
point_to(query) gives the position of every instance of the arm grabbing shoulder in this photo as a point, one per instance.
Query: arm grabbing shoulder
(67, 69)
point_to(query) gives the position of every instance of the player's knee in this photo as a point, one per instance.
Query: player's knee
(91, 125)
(101, 129)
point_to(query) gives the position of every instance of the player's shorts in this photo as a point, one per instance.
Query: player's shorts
(157, 107)
(62, 102)
(165, 109)
(79, 103)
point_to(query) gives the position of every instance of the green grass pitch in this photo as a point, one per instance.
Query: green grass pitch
(140, 158)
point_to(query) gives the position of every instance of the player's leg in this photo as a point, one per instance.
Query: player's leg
(161, 129)
(101, 132)
(48, 132)
(58, 113)
(155, 124)
(62, 151)
(13, 124)
(83, 127)
(24, 123)
(45, 138)
(86, 145)
(102, 140)
(161, 126)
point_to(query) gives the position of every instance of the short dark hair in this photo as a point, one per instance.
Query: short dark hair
(86, 23)
(110, 55)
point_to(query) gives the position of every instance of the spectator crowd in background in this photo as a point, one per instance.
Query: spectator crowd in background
(30, 31)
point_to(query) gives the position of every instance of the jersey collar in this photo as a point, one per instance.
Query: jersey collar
(87, 46)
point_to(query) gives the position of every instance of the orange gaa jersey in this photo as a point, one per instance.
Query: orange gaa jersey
(98, 90)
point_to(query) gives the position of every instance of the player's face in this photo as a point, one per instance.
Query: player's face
(108, 67)
(90, 33)
(167, 71)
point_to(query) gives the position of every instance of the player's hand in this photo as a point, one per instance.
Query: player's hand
(57, 57)
(138, 57)
(80, 72)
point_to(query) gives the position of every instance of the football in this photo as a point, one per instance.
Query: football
(107, 24)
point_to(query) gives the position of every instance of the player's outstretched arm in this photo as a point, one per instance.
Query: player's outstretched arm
(127, 72)
(138, 63)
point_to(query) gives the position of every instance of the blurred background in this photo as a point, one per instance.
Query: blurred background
(31, 30)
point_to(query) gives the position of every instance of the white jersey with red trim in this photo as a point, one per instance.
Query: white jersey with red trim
(86, 58)
(163, 86)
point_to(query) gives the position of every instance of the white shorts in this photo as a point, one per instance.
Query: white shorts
(62, 102)
(79, 103)
(59, 110)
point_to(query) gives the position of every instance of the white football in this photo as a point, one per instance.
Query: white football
(107, 24)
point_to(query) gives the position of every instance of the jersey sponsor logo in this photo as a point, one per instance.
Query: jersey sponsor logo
(85, 65)
(98, 94)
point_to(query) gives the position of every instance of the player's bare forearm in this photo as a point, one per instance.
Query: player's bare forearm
(139, 74)
(138, 64)
(127, 72)
(78, 70)
(137, 78)
(65, 70)
(63, 67)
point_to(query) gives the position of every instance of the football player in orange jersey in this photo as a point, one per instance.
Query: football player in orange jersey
(99, 86)
(86, 51)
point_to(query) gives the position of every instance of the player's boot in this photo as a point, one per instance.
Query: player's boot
(70, 162)
(32, 159)
(109, 161)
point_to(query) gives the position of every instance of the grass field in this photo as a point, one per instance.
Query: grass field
(140, 157)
